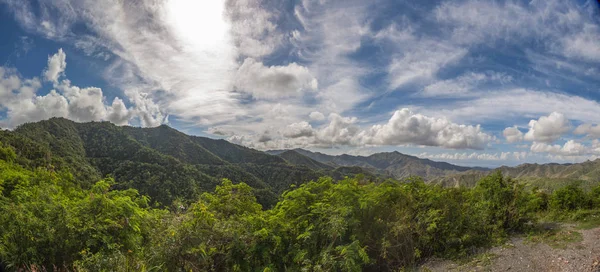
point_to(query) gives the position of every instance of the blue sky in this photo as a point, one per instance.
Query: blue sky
(484, 83)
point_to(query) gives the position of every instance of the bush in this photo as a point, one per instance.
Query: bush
(568, 198)
(48, 220)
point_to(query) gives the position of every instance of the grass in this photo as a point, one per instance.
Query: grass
(483, 259)
(586, 219)
(556, 237)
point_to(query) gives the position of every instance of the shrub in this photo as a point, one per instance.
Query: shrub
(568, 198)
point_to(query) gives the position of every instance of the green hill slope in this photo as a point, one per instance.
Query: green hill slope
(160, 162)
(296, 158)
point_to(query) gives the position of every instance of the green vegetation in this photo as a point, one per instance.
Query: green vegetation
(183, 209)
(555, 237)
(159, 162)
(49, 220)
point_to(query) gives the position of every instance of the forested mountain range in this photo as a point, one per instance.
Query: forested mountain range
(169, 165)
(160, 162)
(549, 176)
(397, 165)
(389, 164)
(168, 203)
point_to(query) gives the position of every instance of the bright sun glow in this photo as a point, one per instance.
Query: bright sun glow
(200, 24)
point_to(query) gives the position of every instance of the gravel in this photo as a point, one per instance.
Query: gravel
(522, 255)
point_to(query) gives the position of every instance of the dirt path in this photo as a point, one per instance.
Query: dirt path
(576, 254)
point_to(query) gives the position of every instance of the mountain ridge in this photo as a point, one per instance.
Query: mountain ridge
(183, 166)
(161, 162)
(393, 164)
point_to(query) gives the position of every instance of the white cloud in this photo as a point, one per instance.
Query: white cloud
(584, 44)
(506, 104)
(118, 113)
(317, 116)
(406, 127)
(37, 108)
(85, 104)
(512, 134)
(190, 41)
(463, 85)
(20, 98)
(591, 131)
(218, 64)
(416, 59)
(548, 128)
(296, 130)
(274, 81)
(570, 148)
(422, 63)
(254, 29)
(340, 131)
(502, 156)
(56, 66)
(330, 31)
(564, 27)
(403, 128)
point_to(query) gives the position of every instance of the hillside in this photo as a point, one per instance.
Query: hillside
(167, 164)
(53, 213)
(160, 162)
(296, 158)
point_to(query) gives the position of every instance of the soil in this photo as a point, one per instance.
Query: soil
(526, 254)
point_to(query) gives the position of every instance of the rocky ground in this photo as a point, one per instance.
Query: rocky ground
(559, 248)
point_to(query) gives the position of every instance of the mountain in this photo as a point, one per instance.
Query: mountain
(390, 164)
(546, 176)
(161, 162)
(296, 158)
(169, 165)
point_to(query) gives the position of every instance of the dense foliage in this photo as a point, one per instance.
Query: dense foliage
(50, 220)
(160, 162)
(97, 197)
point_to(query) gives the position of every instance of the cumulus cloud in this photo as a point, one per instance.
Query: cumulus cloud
(274, 81)
(252, 66)
(56, 66)
(296, 130)
(548, 128)
(406, 127)
(512, 134)
(403, 128)
(591, 131)
(118, 113)
(340, 131)
(20, 99)
(317, 116)
(570, 148)
(502, 156)
(85, 104)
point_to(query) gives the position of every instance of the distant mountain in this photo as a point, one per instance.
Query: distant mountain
(398, 165)
(547, 176)
(296, 158)
(391, 164)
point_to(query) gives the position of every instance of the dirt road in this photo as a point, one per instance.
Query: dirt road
(569, 249)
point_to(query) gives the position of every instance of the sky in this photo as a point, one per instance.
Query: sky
(476, 83)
